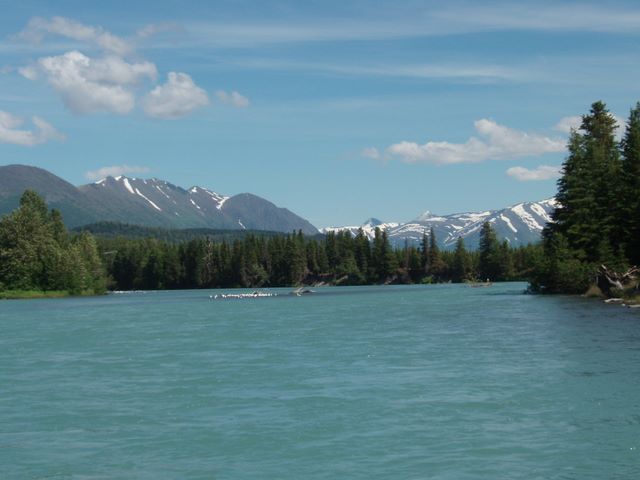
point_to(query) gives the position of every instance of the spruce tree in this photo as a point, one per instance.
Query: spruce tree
(461, 264)
(489, 267)
(436, 266)
(630, 202)
(589, 188)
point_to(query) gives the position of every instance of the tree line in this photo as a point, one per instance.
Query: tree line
(37, 253)
(597, 216)
(290, 260)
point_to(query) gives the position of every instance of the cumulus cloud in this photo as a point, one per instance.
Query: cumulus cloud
(114, 171)
(566, 124)
(89, 85)
(10, 131)
(178, 97)
(38, 28)
(233, 99)
(497, 143)
(112, 81)
(543, 172)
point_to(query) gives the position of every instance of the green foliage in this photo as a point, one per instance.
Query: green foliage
(560, 271)
(597, 219)
(461, 268)
(38, 254)
(490, 262)
(630, 205)
(288, 260)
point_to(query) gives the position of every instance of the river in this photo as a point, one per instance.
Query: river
(387, 382)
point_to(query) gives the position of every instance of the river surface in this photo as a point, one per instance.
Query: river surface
(421, 382)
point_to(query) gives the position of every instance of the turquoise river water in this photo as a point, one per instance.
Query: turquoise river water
(423, 382)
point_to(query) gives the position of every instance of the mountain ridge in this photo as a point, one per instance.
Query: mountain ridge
(148, 202)
(519, 224)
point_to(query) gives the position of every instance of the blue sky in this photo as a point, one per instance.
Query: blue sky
(337, 110)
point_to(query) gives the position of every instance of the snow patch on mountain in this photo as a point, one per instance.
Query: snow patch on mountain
(519, 225)
(152, 204)
(128, 185)
(221, 203)
(509, 224)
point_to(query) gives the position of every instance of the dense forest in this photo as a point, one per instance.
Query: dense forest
(38, 254)
(289, 260)
(597, 217)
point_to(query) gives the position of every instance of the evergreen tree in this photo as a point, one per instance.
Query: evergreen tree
(589, 188)
(489, 267)
(424, 252)
(461, 264)
(436, 267)
(630, 202)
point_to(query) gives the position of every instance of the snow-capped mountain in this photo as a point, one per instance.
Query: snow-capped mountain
(519, 224)
(146, 202)
(368, 227)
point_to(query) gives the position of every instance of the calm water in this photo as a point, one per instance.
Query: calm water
(428, 382)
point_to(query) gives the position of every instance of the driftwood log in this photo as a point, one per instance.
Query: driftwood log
(613, 283)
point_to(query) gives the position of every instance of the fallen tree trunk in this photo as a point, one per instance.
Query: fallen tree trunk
(614, 284)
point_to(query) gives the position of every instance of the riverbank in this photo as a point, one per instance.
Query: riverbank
(33, 294)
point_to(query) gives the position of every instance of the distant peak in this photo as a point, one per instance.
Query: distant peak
(426, 215)
(372, 222)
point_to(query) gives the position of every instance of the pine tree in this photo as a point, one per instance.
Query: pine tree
(436, 267)
(461, 264)
(590, 188)
(489, 267)
(424, 252)
(630, 202)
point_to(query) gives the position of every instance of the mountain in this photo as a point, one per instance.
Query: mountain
(59, 194)
(368, 227)
(519, 224)
(146, 202)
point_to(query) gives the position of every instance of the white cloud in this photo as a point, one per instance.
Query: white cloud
(38, 27)
(421, 19)
(178, 97)
(30, 72)
(10, 131)
(233, 98)
(621, 123)
(114, 171)
(370, 152)
(543, 172)
(156, 28)
(498, 143)
(566, 124)
(89, 85)
(468, 72)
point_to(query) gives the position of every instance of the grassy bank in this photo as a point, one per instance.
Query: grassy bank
(26, 294)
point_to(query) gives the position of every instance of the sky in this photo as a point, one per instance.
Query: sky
(337, 110)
